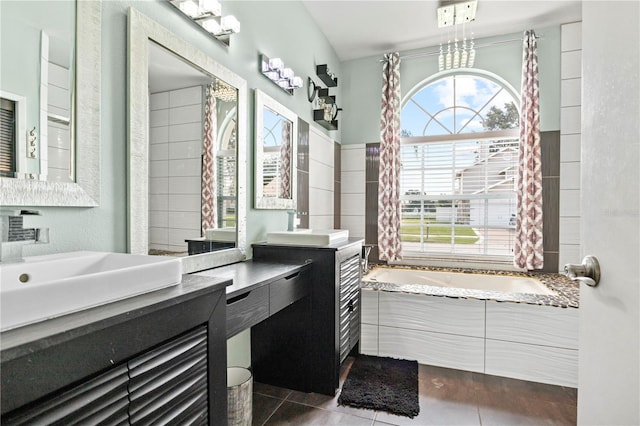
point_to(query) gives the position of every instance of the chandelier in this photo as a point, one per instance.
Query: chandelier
(224, 92)
(462, 55)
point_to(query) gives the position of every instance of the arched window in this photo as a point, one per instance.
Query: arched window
(459, 165)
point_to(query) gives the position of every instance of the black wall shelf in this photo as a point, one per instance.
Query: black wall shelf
(323, 72)
(318, 117)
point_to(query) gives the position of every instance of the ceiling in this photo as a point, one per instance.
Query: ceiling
(357, 28)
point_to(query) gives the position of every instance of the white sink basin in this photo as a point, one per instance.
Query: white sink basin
(227, 234)
(308, 237)
(48, 286)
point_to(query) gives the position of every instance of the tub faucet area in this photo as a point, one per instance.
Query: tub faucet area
(13, 235)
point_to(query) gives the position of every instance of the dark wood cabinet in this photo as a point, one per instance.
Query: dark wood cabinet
(161, 363)
(328, 325)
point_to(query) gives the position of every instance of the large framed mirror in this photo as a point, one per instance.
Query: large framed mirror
(57, 161)
(276, 129)
(187, 150)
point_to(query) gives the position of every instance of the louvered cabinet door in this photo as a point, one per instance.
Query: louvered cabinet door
(99, 401)
(349, 305)
(168, 385)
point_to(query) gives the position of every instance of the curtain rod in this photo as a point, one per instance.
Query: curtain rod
(478, 46)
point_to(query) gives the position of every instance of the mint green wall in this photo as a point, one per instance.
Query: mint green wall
(275, 28)
(362, 79)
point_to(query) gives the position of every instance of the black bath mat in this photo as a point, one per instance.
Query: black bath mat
(384, 384)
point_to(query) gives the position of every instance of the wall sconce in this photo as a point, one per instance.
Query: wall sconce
(274, 70)
(208, 15)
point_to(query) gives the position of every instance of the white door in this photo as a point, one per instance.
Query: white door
(609, 378)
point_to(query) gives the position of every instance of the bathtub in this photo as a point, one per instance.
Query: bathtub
(523, 326)
(486, 282)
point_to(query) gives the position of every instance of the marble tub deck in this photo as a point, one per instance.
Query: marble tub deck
(567, 291)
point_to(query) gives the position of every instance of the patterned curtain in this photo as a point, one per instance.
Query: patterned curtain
(285, 160)
(389, 218)
(209, 149)
(528, 252)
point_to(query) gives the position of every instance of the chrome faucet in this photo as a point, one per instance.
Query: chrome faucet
(13, 236)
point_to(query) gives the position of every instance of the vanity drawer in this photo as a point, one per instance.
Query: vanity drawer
(285, 291)
(247, 310)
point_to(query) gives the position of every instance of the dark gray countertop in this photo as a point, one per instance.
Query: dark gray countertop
(337, 246)
(40, 335)
(251, 274)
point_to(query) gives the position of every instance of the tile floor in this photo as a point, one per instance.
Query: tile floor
(447, 397)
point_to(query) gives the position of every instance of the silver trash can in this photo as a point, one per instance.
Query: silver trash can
(239, 396)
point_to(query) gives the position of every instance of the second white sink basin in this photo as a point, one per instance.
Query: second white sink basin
(44, 287)
(308, 237)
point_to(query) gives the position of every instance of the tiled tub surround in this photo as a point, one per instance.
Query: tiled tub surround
(530, 337)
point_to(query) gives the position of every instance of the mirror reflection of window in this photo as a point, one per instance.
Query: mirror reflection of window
(277, 139)
(7, 137)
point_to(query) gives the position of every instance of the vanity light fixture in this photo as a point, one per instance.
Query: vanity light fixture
(274, 70)
(208, 14)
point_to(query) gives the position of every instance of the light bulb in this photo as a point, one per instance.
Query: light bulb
(456, 56)
(464, 55)
(212, 7)
(472, 55)
(296, 81)
(211, 25)
(230, 23)
(276, 64)
(189, 8)
(286, 73)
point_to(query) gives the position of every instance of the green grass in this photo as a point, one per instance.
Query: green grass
(436, 232)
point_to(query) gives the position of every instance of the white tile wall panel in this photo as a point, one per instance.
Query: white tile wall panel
(321, 221)
(320, 175)
(158, 202)
(58, 175)
(570, 148)
(571, 64)
(557, 366)
(451, 351)
(353, 157)
(352, 204)
(187, 149)
(158, 219)
(355, 225)
(59, 158)
(571, 36)
(186, 114)
(159, 135)
(320, 148)
(320, 202)
(59, 97)
(369, 304)
(570, 230)
(571, 92)
(159, 101)
(159, 117)
(185, 167)
(184, 203)
(533, 324)
(569, 203)
(569, 253)
(177, 237)
(158, 168)
(186, 96)
(158, 151)
(185, 132)
(420, 312)
(184, 220)
(58, 136)
(353, 182)
(159, 185)
(570, 120)
(570, 175)
(368, 339)
(185, 185)
(58, 76)
(159, 235)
